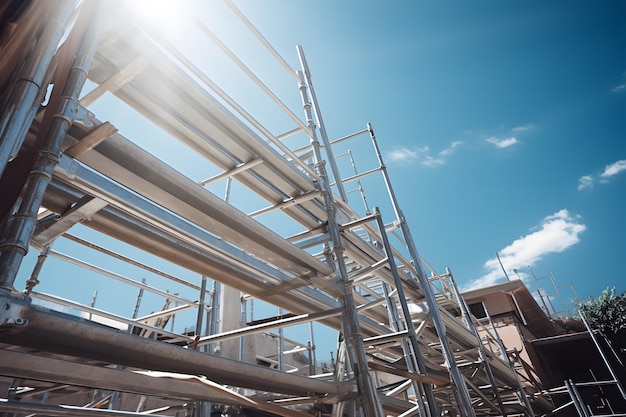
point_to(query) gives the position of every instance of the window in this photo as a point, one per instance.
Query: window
(478, 310)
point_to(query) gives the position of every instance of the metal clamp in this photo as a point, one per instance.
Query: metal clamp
(11, 309)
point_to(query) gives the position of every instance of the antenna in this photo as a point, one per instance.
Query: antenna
(502, 266)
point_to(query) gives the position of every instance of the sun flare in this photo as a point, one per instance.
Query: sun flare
(160, 13)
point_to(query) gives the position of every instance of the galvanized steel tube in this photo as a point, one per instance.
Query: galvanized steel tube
(465, 313)
(601, 352)
(322, 128)
(465, 402)
(61, 333)
(28, 89)
(413, 347)
(21, 225)
(350, 323)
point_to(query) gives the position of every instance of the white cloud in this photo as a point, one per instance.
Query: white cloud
(619, 88)
(402, 155)
(556, 233)
(405, 156)
(450, 149)
(522, 128)
(614, 168)
(610, 170)
(429, 161)
(584, 182)
(502, 143)
(502, 136)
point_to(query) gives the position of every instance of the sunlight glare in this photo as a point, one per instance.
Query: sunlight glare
(164, 14)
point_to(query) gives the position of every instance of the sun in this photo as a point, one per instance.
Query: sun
(162, 14)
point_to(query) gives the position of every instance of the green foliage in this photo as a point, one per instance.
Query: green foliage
(607, 313)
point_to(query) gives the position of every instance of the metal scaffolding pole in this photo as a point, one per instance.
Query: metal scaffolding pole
(321, 126)
(481, 350)
(281, 344)
(33, 281)
(145, 202)
(214, 316)
(200, 316)
(265, 327)
(505, 357)
(409, 355)
(604, 358)
(351, 327)
(28, 90)
(576, 399)
(21, 225)
(359, 185)
(413, 352)
(465, 402)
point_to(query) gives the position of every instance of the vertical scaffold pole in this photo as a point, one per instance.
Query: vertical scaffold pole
(281, 344)
(21, 225)
(576, 398)
(322, 127)
(413, 353)
(24, 100)
(350, 321)
(214, 316)
(602, 355)
(481, 349)
(244, 316)
(465, 403)
(312, 353)
(201, 300)
(359, 185)
(505, 357)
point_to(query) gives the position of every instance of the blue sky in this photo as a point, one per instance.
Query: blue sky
(502, 125)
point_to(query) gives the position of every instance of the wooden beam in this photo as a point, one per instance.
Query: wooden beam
(92, 139)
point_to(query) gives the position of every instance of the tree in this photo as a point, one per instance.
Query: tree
(607, 313)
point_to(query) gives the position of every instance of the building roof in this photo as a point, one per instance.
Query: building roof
(523, 304)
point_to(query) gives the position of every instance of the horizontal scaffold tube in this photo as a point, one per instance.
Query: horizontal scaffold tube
(61, 333)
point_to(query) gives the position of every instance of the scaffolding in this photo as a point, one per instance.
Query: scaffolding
(407, 346)
(600, 396)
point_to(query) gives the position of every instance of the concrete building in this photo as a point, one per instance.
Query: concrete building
(556, 356)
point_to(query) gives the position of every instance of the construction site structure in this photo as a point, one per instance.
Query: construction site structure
(580, 369)
(143, 215)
